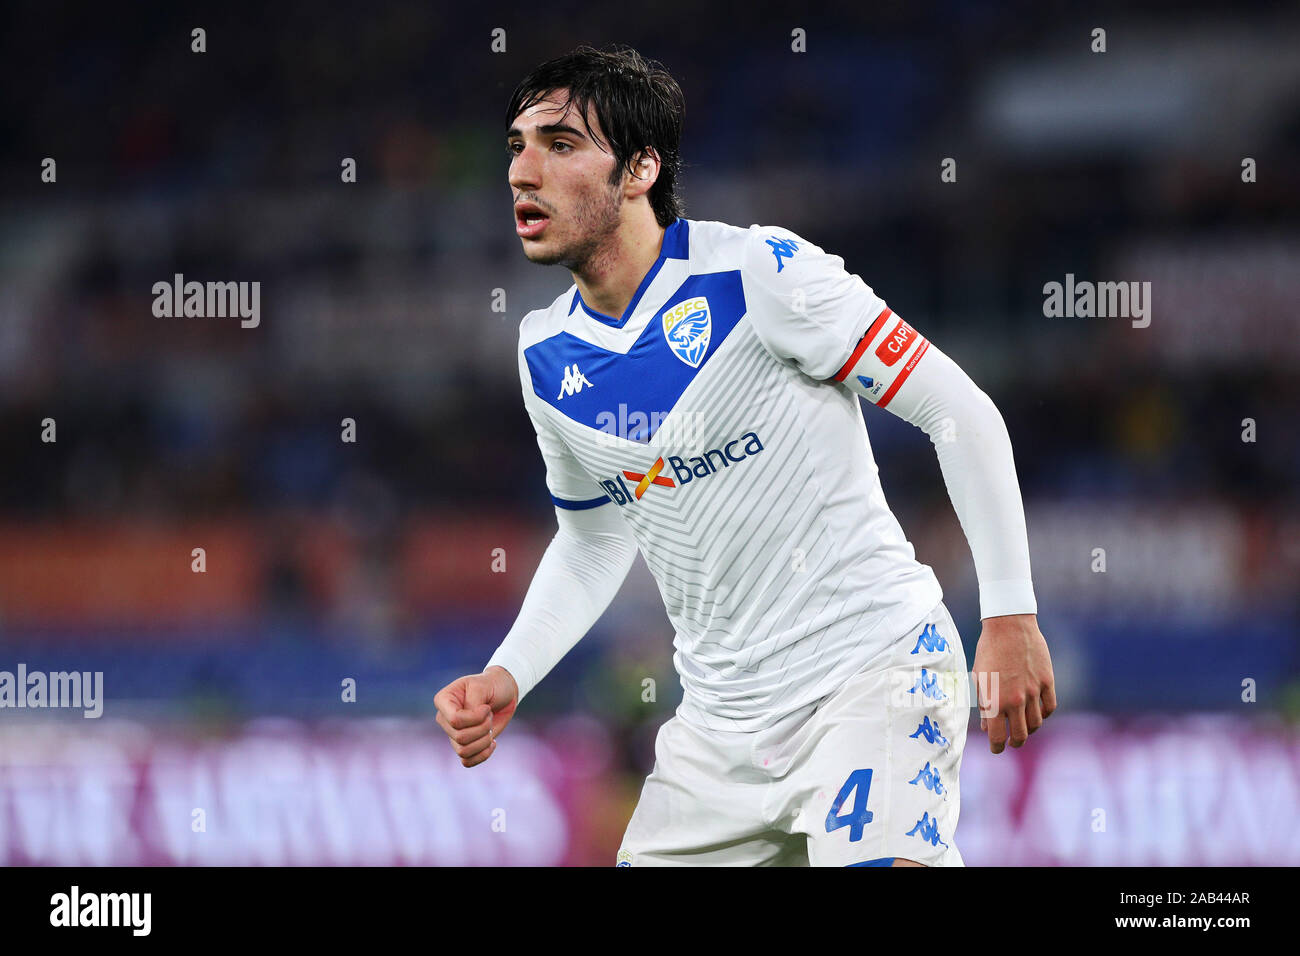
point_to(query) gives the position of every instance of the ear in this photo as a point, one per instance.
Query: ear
(642, 172)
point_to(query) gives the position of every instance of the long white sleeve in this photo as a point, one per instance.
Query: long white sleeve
(581, 571)
(978, 467)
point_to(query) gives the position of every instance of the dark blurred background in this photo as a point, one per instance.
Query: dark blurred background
(372, 560)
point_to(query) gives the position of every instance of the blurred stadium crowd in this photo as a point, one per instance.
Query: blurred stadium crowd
(374, 559)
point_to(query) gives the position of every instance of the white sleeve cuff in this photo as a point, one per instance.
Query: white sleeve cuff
(998, 598)
(517, 665)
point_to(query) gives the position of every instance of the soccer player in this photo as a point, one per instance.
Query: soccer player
(695, 396)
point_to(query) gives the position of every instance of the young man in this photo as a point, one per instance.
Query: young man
(825, 695)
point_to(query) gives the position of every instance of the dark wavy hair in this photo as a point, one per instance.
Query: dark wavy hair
(637, 103)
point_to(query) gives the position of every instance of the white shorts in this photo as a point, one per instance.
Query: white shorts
(865, 775)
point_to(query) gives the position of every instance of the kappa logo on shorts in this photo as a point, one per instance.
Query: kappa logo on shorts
(930, 780)
(930, 731)
(928, 684)
(928, 830)
(931, 640)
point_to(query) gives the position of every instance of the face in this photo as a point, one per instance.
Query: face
(566, 210)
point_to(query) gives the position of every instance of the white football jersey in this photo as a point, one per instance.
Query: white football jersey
(708, 414)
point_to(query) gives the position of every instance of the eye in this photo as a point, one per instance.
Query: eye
(560, 142)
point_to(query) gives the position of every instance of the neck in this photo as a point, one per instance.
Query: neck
(610, 278)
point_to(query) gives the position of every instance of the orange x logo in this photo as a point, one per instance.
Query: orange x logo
(649, 478)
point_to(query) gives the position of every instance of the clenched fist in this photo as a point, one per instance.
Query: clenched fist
(473, 710)
(1013, 652)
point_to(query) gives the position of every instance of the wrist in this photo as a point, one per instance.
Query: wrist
(1010, 624)
(509, 679)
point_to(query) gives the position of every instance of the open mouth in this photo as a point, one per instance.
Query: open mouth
(531, 224)
(529, 221)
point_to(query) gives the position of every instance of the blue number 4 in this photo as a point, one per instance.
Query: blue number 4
(859, 816)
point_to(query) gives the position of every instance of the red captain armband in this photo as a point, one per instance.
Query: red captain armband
(883, 359)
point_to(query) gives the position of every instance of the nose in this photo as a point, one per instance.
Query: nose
(525, 171)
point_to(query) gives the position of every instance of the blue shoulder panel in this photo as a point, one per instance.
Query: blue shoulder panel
(588, 384)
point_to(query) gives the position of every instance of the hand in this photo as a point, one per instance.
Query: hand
(1013, 652)
(473, 710)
